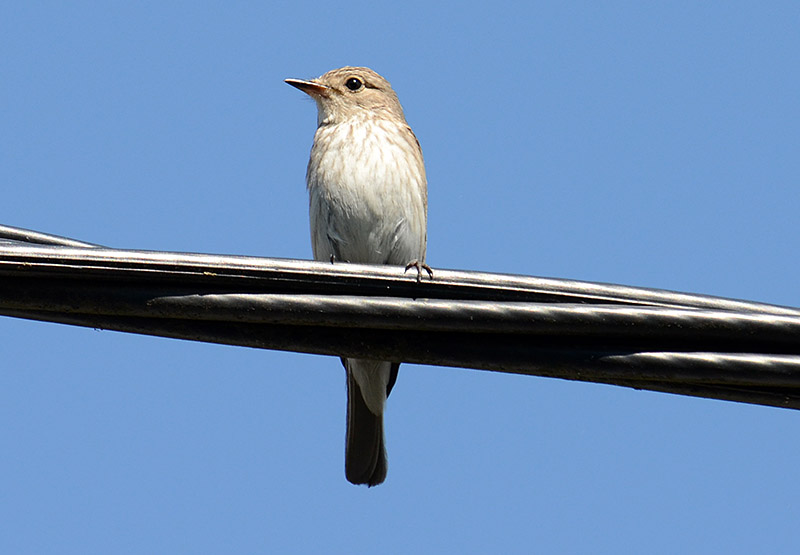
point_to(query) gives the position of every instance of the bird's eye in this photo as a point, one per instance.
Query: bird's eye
(354, 83)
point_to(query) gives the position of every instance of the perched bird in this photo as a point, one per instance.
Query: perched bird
(368, 204)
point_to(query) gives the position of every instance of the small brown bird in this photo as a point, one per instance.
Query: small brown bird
(368, 203)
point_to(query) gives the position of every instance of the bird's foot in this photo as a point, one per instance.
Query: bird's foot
(420, 266)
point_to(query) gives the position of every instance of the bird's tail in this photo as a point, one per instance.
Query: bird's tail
(365, 452)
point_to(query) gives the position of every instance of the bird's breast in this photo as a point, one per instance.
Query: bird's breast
(368, 193)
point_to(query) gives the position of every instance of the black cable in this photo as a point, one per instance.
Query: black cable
(634, 337)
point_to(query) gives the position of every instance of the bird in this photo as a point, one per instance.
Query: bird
(368, 204)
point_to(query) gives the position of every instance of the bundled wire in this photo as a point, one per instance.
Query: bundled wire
(634, 337)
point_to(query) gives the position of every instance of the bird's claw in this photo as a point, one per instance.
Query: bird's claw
(420, 266)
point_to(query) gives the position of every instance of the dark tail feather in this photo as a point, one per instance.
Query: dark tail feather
(365, 455)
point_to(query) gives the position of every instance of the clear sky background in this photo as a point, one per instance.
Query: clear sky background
(649, 146)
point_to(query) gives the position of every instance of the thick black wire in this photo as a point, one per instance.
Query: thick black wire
(635, 337)
(191, 272)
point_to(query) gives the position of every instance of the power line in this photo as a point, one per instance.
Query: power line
(634, 337)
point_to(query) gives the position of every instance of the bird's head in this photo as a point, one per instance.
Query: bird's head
(351, 92)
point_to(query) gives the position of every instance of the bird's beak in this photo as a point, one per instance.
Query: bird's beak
(311, 88)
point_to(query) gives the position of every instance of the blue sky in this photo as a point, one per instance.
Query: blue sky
(643, 145)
